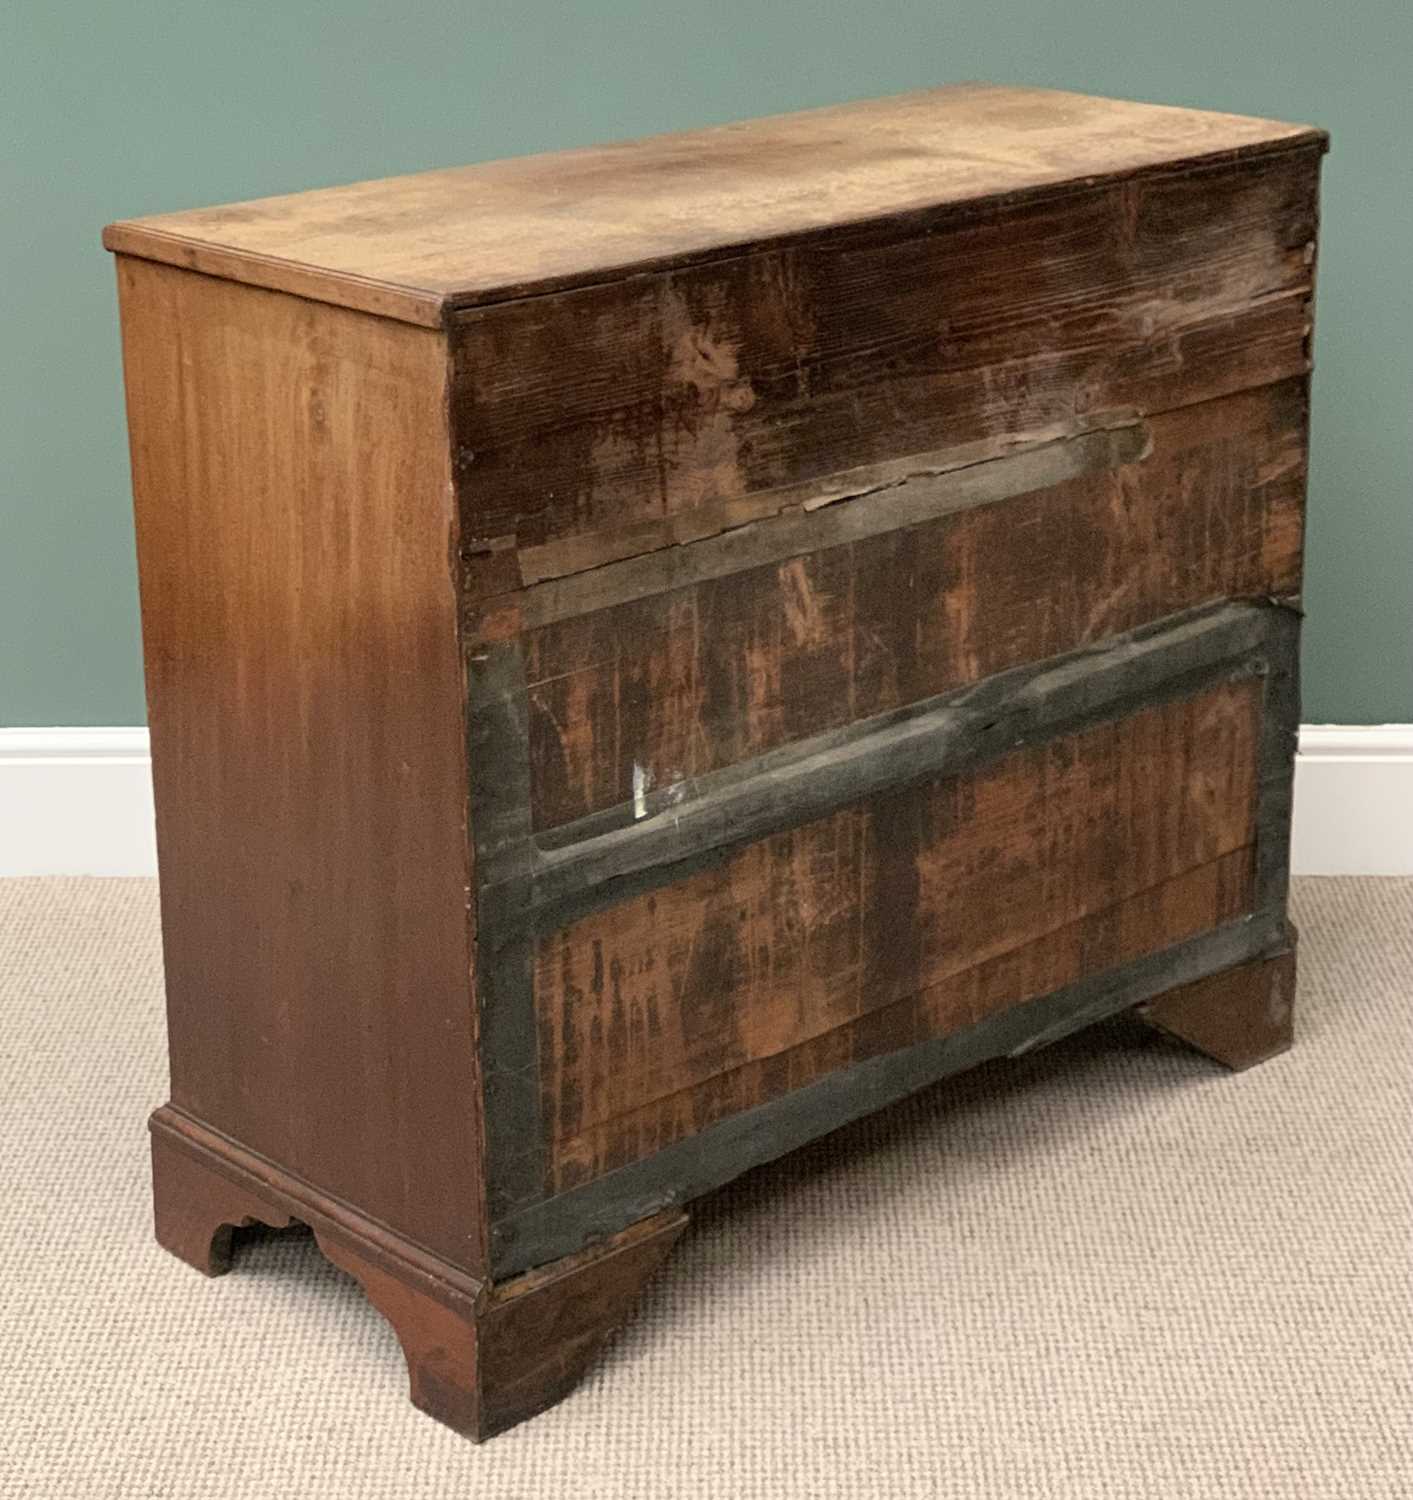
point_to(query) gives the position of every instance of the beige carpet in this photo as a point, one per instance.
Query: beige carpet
(1107, 1270)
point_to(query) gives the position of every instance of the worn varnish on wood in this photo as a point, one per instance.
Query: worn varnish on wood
(656, 651)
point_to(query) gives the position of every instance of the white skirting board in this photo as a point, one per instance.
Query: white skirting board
(79, 802)
(1353, 800)
(76, 802)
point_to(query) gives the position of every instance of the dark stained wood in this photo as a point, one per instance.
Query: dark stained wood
(1177, 909)
(1239, 1017)
(683, 682)
(541, 1331)
(601, 570)
(479, 1358)
(523, 1345)
(594, 410)
(305, 701)
(882, 917)
(410, 247)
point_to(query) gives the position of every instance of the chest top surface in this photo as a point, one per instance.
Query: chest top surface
(419, 247)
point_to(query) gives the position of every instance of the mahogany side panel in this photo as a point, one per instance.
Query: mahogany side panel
(305, 693)
(911, 915)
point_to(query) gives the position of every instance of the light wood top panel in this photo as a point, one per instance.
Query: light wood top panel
(420, 246)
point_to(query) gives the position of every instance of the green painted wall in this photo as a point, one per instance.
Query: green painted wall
(109, 110)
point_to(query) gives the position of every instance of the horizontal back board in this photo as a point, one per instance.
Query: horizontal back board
(609, 418)
(888, 921)
(913, 877)
(636, 699)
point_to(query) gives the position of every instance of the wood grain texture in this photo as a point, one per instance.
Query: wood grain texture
(540, 1331)
(1178, 909)
(290, 469)
(712, 540)
(677, 684)
(1239, 1017)
(479, 1357)
(905, 916)
(586, 412)
(409, 247)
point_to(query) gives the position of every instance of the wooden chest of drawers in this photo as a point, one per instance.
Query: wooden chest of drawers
(656, 651)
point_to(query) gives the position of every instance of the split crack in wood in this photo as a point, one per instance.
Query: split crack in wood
(814, 516)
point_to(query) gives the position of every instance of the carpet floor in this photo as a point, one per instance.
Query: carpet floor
(1108, 1269)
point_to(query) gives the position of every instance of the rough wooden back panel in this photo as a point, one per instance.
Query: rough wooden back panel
(889, 921)
(411, 247)
(712, 512)
(290, 469)
(640, 697)
(621, 418)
